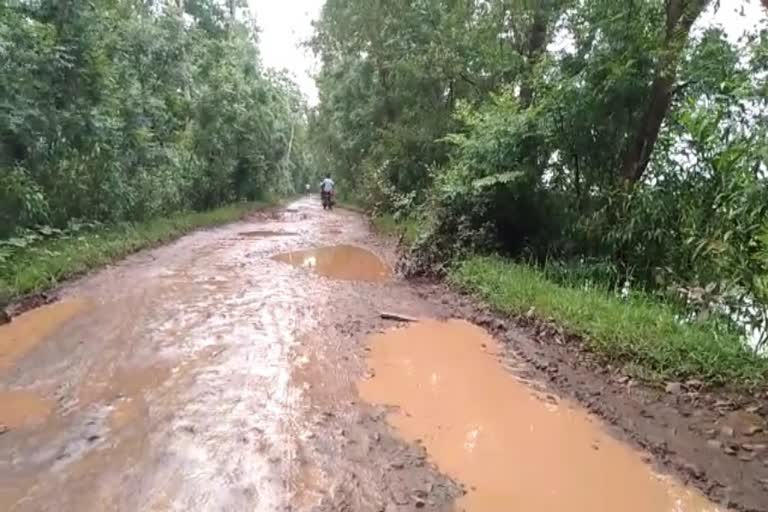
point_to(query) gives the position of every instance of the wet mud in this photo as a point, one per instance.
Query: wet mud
(265, 234)
(512, 447)
(171, 381)
(224, 371)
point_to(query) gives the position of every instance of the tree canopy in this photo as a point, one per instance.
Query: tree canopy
(119, 110)
(621, 136)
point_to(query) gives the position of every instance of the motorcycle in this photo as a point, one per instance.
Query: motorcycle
(327, 199)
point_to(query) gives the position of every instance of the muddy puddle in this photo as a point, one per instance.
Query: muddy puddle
(345, 262)
(27, 330)
(19, 409)
(512, 447)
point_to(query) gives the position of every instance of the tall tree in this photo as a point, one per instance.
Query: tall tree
(680, 17)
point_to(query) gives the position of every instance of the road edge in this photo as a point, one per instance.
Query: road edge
(18, 304)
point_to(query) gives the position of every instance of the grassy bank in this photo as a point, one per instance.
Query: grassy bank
(637, 331)
(43, 264)
(353, 207)
(386, 224)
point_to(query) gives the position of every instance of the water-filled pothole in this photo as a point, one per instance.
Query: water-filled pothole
(512, 449)
(27, 330)
(345, 262)
(23, 409)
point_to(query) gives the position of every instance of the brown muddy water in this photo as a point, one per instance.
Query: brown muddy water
(22, 409)
(26, 331)
(512, 447)
(346, 262)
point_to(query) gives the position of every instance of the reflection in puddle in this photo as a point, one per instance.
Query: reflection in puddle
(23, 409)
(27, 330)
(491, 432)
(345, 262)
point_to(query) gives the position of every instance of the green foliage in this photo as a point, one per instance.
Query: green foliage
(126, 110)
(408, 227)
(635, 331)
(590, 131)
(391, 76)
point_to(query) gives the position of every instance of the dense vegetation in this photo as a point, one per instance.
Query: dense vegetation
(127, 110)
(623, 142)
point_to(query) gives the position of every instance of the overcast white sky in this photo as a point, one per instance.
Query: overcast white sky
(736, 16)
(285, 24)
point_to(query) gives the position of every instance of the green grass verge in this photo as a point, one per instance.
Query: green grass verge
(44, 264)
(353, 207)
(386, 224)
(639, 332)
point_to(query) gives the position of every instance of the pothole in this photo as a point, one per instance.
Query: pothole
(511, 447)
(20, 409)
(25, 331)
(345, 262)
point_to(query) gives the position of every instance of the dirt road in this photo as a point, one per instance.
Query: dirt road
(247, 368)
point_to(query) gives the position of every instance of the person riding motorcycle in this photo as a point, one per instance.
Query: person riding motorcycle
(327, 188)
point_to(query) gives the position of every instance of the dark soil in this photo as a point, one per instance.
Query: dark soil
(26, 303)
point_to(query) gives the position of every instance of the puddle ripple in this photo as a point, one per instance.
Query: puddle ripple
(345, 262)
(512, 449)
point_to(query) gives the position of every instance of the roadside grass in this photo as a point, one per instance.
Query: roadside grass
(348, 201)
(351, 206)
(387, 224)
(46, 263)
(639, 332)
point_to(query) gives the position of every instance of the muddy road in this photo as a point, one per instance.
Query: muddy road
(247, 368)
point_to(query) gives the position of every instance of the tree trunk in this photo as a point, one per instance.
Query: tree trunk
(680, 16)
(537, 38)
(638, 155)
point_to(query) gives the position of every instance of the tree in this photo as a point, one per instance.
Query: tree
(125, 110)
(680, 17)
